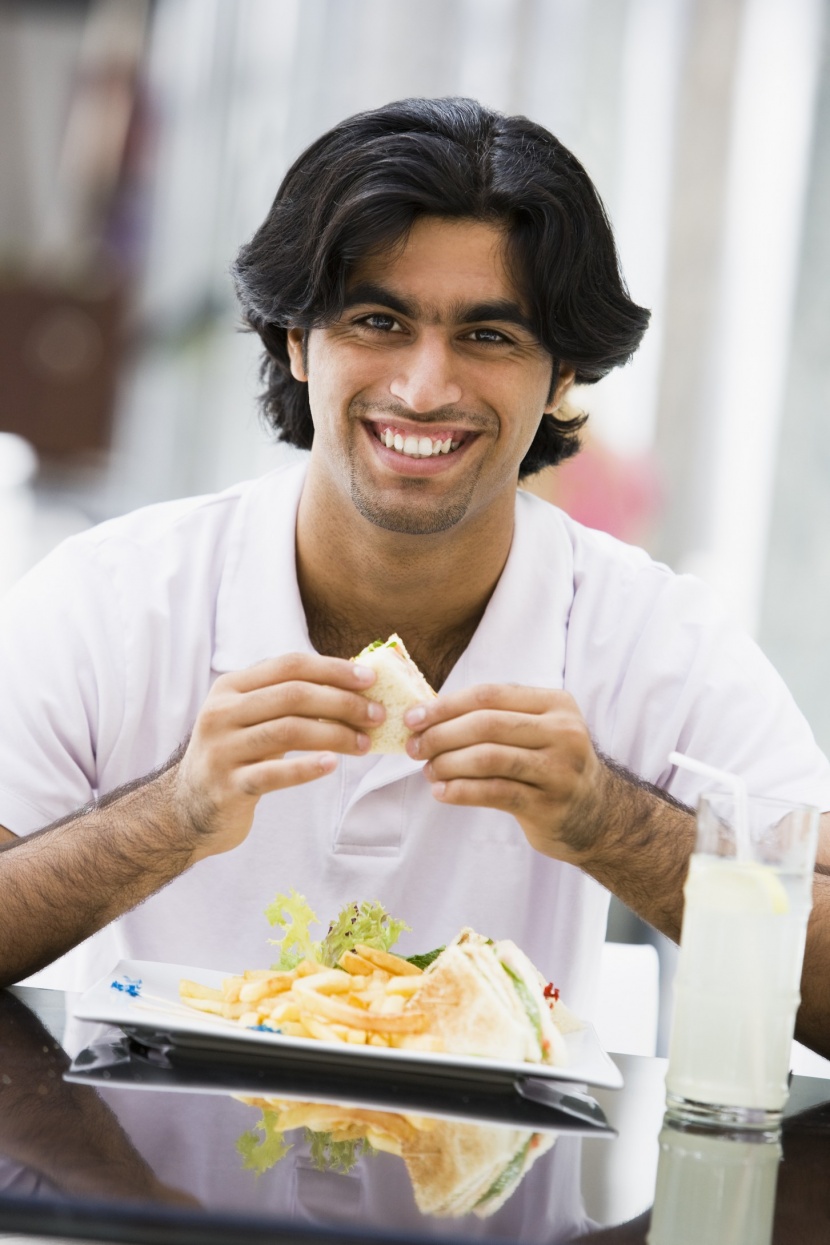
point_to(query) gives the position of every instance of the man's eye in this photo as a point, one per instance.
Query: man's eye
(488, 336)
(383, 323)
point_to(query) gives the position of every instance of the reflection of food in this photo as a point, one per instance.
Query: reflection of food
(455, 1168)
(478, 997)
(398, 686)
(458, 1168)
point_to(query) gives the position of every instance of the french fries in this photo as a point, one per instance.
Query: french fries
(369, 999)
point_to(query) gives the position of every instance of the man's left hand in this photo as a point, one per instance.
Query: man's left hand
(522, 750)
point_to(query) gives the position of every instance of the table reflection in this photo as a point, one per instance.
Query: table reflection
(714, 1187)
(155, 1160)
(297, 1162)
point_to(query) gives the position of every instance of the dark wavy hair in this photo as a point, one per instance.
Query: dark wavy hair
(359, 188)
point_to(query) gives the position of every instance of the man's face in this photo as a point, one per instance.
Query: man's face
(428, 390)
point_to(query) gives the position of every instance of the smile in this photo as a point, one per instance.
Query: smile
(418, 445)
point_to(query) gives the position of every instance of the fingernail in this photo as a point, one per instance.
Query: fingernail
(439, 790)
(363, 742)
(414, 717)
(413, 745)
(376, 711)
(363, 674)
(327, 762)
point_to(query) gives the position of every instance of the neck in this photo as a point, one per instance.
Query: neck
(359, 582)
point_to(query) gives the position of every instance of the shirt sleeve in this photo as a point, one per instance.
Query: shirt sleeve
(62, 640)
(662, 667)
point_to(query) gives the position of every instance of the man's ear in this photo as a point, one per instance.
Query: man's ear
(566, 379)
(296, 342)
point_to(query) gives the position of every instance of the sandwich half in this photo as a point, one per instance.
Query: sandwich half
(486, 998)
(398, 686)
(460, 1168)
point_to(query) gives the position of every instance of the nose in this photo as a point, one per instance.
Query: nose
(426, 376)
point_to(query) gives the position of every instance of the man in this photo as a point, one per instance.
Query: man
(431, 279)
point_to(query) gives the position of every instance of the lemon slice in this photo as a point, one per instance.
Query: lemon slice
(736, 886)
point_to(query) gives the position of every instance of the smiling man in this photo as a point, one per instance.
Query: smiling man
(427, 392)
(179, 706)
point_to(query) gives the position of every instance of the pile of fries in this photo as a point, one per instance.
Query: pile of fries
(368, 1000)
(384, 1130)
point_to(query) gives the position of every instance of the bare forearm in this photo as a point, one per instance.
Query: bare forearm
(64, 1131)
(274, 725)
(642, 848)
(813, 1020)
(61, 885)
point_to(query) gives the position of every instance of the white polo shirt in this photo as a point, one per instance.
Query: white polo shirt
(109, 647)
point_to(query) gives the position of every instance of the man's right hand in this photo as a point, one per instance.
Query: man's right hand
(300, 704)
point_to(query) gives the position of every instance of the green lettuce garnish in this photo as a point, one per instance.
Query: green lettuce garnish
(336, 1156)
(424, 961)
(293, 914)
(264, 1145)
(367, 923)
(511, 1172)
(528, 1002)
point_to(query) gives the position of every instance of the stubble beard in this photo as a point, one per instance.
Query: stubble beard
(421, 518)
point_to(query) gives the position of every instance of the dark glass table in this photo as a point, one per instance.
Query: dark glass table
(103, 1138)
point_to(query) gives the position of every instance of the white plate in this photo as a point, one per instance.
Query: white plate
(153, 1007)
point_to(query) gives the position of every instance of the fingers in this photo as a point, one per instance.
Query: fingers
(498, 793)
(500, 719)
(521, 750)
(505, 697)
(297, 699)
(256, 780)
(273, 739)
(489, 760)
(302, 667)
(285, 705)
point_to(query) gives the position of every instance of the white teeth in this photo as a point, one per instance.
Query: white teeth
(416, 447)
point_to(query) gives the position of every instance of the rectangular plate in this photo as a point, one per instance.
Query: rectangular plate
(155, 1014)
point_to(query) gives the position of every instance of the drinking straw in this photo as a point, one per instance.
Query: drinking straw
(736, 785)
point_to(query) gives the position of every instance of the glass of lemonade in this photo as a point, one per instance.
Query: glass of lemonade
(736, 990)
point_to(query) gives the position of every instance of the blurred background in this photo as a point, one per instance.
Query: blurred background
(141, 142)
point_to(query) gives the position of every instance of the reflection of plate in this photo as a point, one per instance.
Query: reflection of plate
(544, 1106)
(151, 1010)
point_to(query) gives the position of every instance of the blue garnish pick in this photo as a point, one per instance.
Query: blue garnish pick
(128, 985)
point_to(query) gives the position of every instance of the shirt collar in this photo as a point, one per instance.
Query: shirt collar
(259, 611)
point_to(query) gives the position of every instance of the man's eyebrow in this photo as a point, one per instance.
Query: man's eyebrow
(504, 310)
(370, 292)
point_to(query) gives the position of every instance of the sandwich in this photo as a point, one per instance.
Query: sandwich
(487, 999)
(456, 1169)
(398, 686)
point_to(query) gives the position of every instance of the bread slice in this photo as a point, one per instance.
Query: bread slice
(398, 686)
(486, 998)
(456, 1168)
